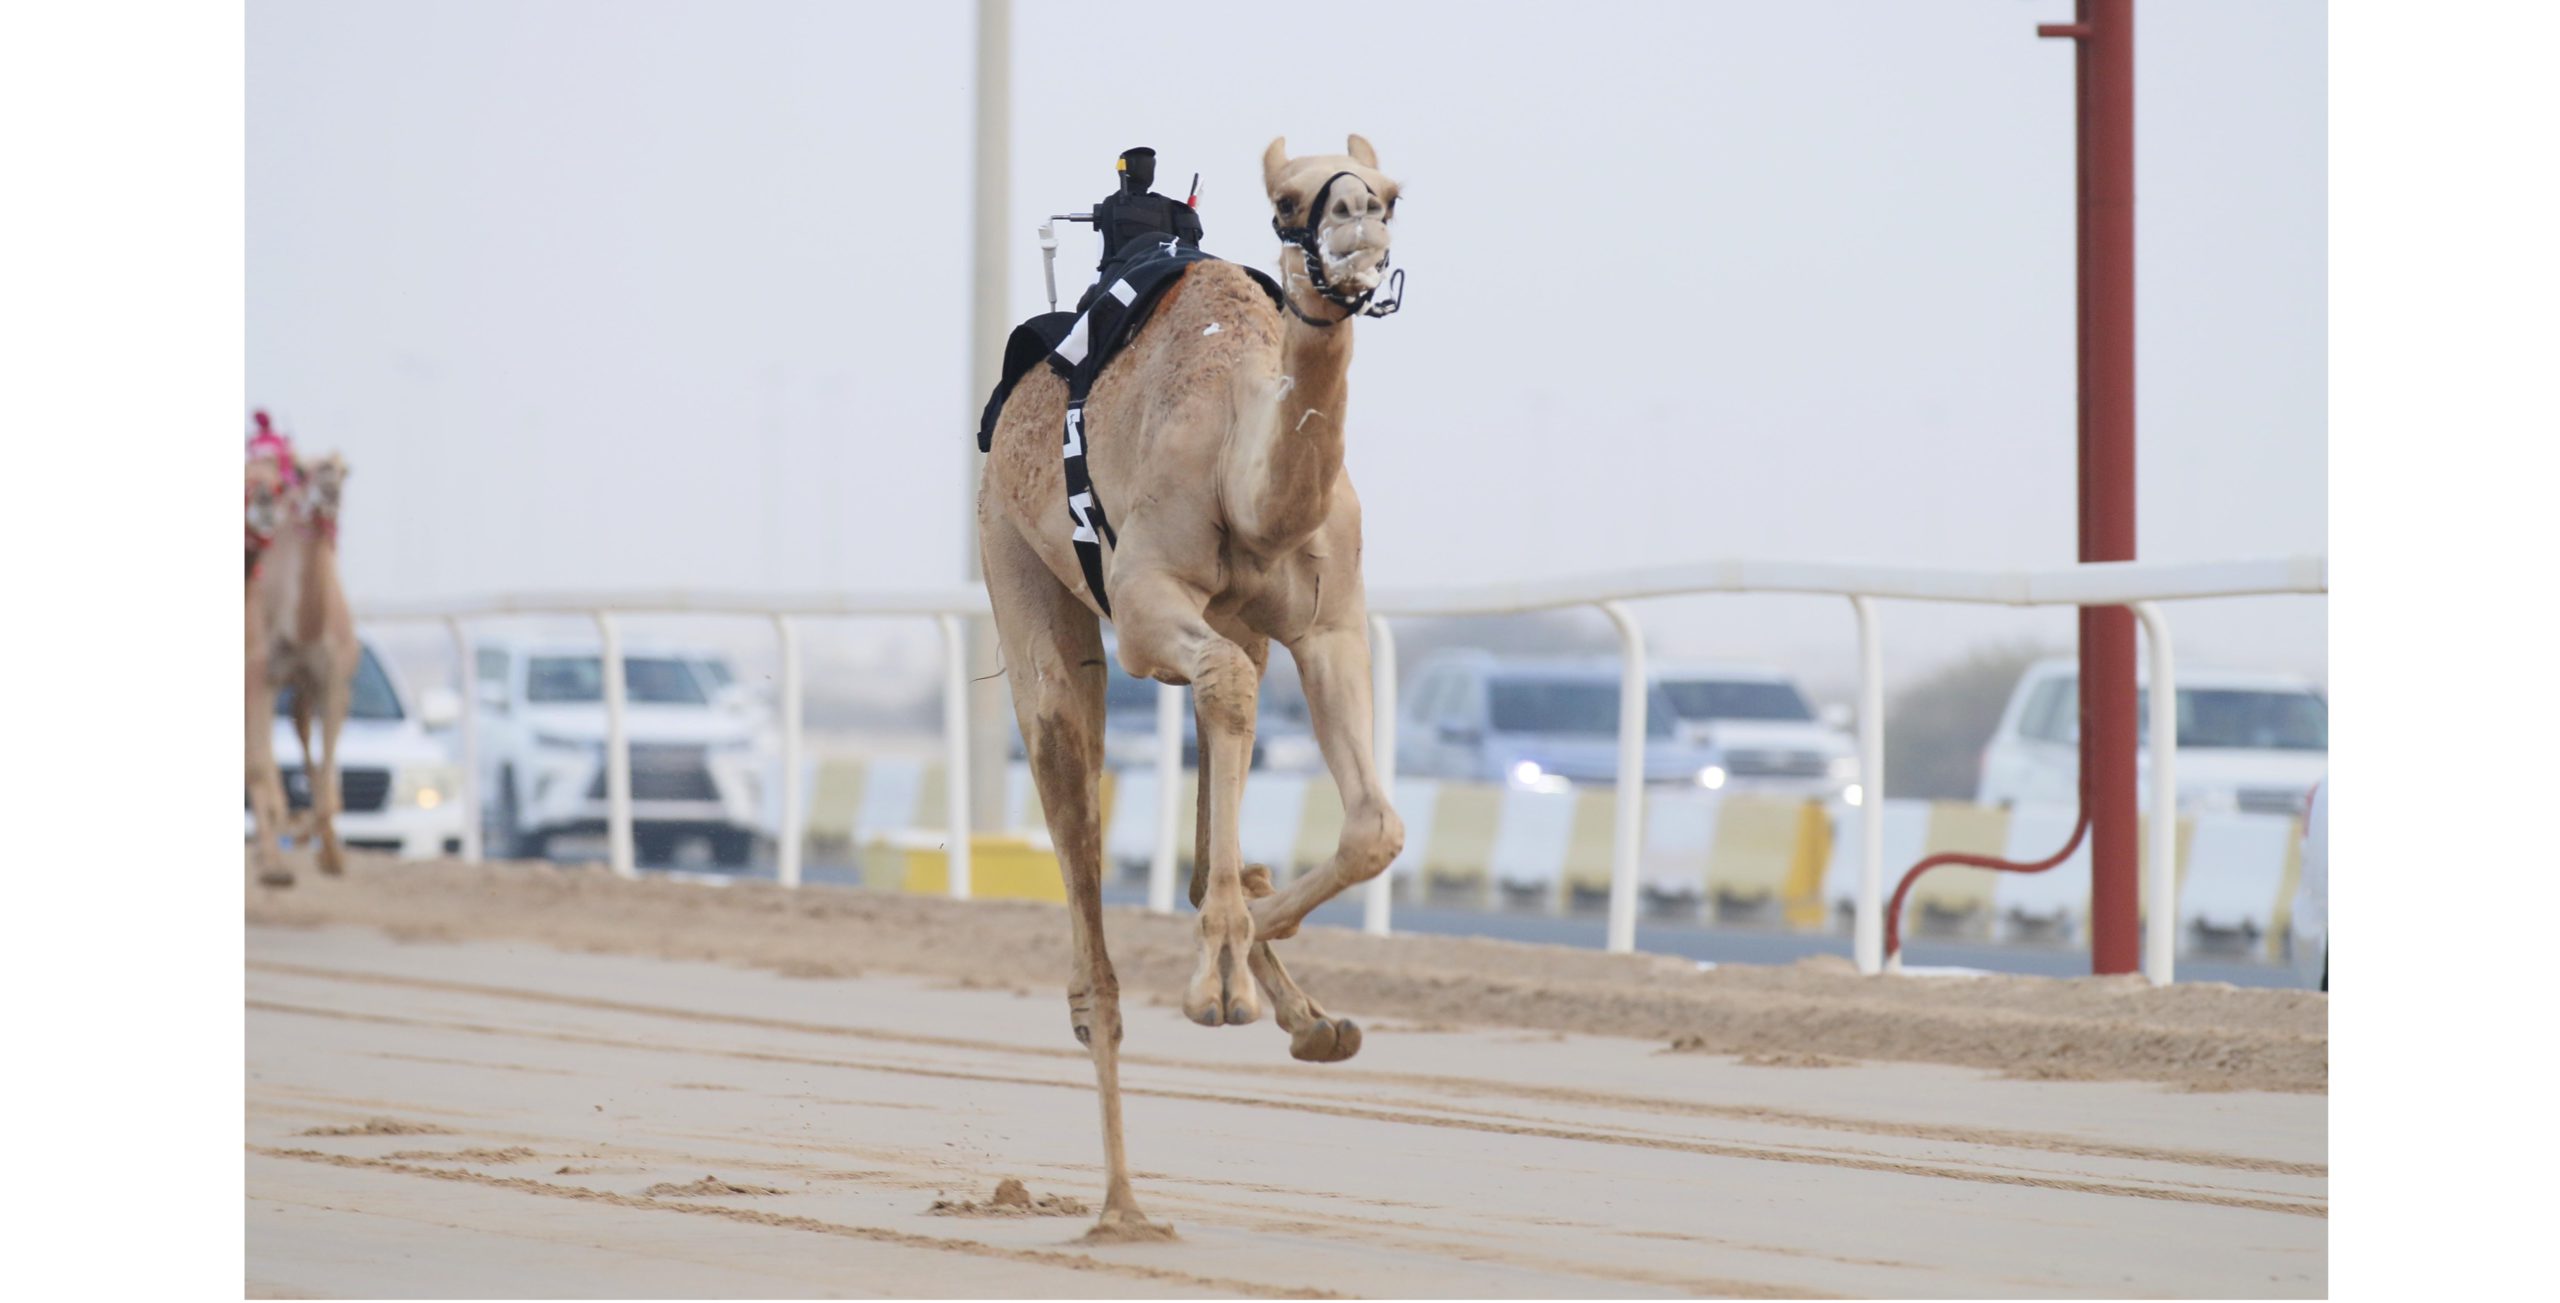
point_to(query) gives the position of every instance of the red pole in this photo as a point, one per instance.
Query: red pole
(2109, 736)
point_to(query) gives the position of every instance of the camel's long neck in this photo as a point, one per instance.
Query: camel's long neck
(317, 580)
(1285, 478)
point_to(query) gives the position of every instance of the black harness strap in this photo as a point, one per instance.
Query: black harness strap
(1113, 314)
(1093, 524)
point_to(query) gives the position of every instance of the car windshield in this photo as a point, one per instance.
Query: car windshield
(651, 680)
(1576, 706)
(2254, 719)
(2258, 721)
(715, 674)
(372, 698)
(1736, 699)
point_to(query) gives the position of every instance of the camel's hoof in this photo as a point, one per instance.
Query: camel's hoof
(1221, 994)
(332, 864)
(1326, 1040)
(275, 877)
(1126, 1226)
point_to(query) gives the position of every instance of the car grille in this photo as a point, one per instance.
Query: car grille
(2271, 800)
(360, 791)
(664, 773)
(1776, 764)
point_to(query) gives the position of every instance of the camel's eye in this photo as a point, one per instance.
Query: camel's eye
(1288, 206)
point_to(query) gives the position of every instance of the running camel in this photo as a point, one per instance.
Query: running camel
(301, 639)
(1217, 443)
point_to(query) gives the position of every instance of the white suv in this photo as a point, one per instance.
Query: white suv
(1759, 733)
(398, 786)
(2246, 741)
(698, 766)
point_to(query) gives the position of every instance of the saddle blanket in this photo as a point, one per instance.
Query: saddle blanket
(1078, 346)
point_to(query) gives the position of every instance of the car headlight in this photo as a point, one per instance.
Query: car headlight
(1530, 776)
(1711, 777)
(557, 742)
(1853, 794)
(427, 786)
(1844, 767)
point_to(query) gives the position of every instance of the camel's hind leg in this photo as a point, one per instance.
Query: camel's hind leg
(1053, 660)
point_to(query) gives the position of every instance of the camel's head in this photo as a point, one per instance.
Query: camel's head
(263, 487)
(326, 480)
(1336, 208)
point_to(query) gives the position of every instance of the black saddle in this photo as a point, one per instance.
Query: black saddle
(1115, 311)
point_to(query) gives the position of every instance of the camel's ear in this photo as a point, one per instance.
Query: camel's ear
(1275, 164)
(1361, 152)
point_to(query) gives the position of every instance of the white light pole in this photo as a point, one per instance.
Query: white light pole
(991, 201)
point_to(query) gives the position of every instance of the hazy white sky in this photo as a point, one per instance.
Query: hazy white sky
(648, 294)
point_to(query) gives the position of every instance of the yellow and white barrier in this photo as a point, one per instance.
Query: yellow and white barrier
(2235, 870)
(1774, 857)
(1002, 866)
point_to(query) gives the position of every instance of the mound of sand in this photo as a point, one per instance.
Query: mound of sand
(1011, 1199)
(707, 1187)
(381, 1127)
(511, 1154)
(2203, 1035)
(1773, 1060)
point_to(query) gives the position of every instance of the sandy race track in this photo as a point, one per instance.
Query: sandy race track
(518, 1080)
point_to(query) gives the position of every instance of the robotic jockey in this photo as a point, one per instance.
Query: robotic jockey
(1135, 219)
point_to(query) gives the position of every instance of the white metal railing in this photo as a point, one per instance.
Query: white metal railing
(946, 607)
(2140, 585)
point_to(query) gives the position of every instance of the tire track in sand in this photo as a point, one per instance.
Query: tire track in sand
(1713, 1149)
(1491, 1244)
(1440, 1085)
(789, 1221)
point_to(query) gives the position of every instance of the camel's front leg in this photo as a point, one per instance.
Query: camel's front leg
(1163, 633)
(301, 824)
(1314, 1035)
(325, 797)
(266, 785)
(1333, 663)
